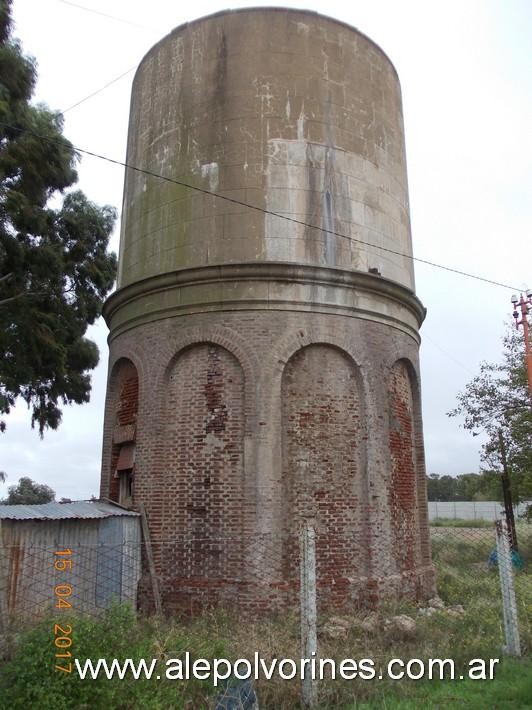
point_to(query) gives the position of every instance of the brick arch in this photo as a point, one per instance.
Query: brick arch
(419, 451)
(286, 348)
(406, 488)
(135, 356)
(204, 488)
(404, 357)
(413, 375)
(323, 466)
(225, 338)
(139, 357)
(123, 369)
(294, 341)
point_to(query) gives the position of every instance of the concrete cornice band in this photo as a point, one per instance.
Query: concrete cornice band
(265, 286)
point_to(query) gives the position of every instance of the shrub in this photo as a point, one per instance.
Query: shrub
(29, 680)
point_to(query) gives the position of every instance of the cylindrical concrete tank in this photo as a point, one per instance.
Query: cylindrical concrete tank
(271, 336)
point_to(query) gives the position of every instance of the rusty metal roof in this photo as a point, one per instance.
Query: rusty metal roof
(83, 509)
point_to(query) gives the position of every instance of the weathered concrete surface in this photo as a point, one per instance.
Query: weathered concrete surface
(285, 110)
(265, 286)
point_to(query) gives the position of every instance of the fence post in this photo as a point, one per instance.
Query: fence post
(509, 606)
(149, 556)
(309, 638)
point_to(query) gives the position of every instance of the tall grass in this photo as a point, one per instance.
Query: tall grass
(464, 577)
(460, 523)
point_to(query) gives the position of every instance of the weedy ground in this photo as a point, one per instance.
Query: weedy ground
(460, 523)
(28, 679)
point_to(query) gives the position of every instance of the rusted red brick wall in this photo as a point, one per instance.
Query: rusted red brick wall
(322, 476)
(250, 423)
(403, 483)
(203, 477)
(129, 398)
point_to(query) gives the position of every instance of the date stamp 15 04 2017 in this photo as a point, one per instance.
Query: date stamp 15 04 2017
(63, 562)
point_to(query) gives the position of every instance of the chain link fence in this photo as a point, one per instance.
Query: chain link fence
(36, 580)
(293, 595)
(479, 572)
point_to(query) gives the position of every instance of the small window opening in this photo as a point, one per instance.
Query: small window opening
(125, 493)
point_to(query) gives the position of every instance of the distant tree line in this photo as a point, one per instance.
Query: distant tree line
(466, 486)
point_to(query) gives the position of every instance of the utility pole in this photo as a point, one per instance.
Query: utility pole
(525, 306)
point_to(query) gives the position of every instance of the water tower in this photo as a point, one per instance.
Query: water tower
(264, 333)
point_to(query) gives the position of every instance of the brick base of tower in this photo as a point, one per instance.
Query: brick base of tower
(249, 424)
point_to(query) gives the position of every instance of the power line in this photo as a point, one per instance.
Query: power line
(233, 200)
(446, 353)
(117, 78)
(94, 93)
(110, 17)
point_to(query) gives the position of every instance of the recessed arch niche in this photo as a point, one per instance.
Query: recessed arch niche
(405, 488)
(324, 477)
(204, 461)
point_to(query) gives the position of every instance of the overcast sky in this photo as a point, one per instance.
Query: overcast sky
(466, 76)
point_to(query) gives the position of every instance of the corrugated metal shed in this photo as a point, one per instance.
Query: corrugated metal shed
(103, 543)
(81, 509)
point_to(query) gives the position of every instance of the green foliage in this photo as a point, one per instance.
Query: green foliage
(497, 401)
(54, 267)
(441, 488)
(28, 492)
(29, 679)
(511, 689)
(526, 515)
(485, 485)
(460, 523)
(464, 577)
